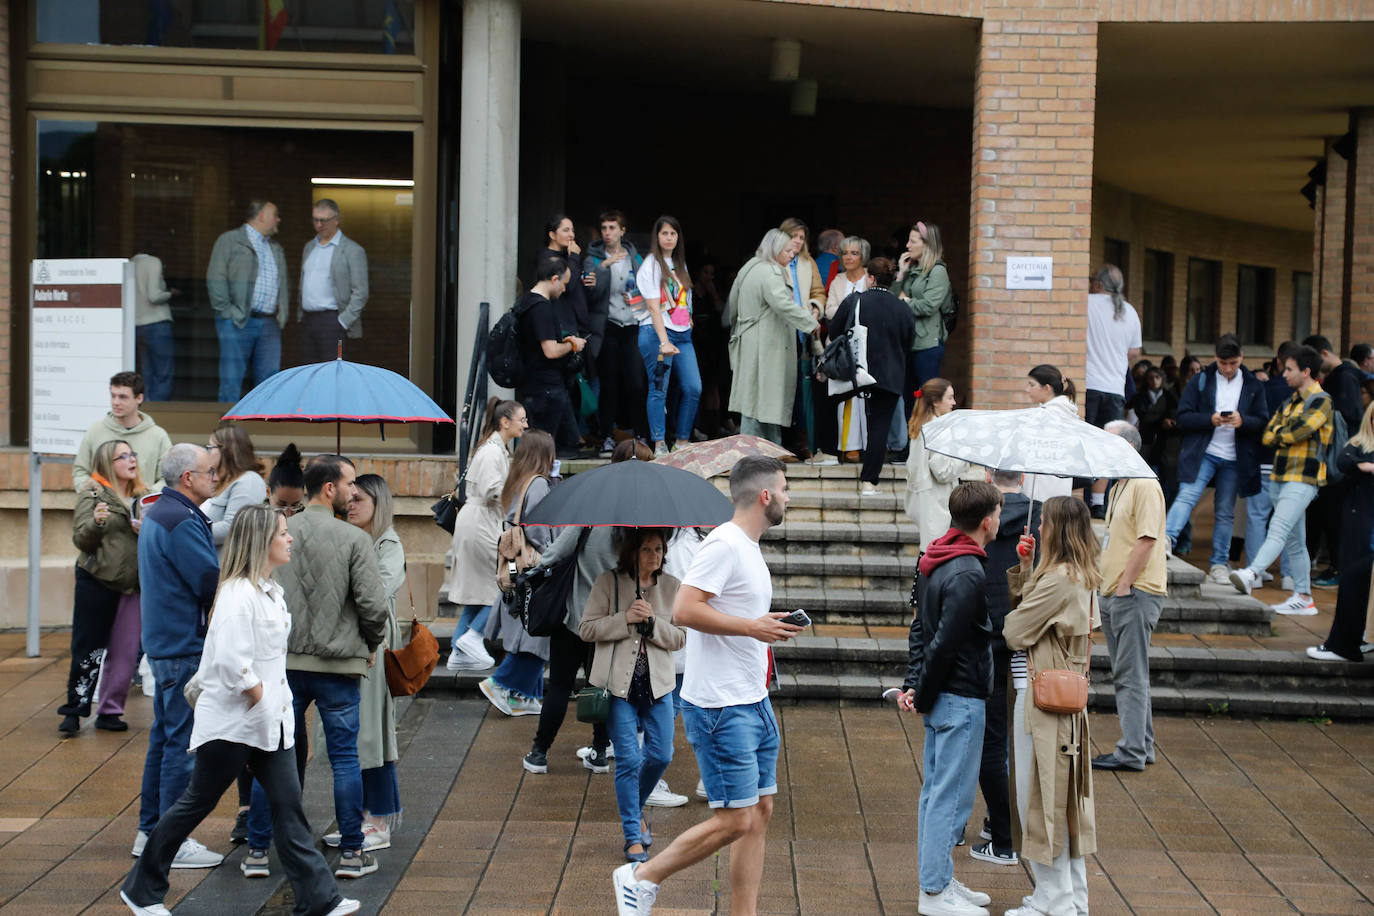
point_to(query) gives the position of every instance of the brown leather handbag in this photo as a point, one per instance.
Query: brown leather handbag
(408, 668)
(1057, 690)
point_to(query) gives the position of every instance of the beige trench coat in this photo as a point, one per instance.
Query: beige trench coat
(472, 578)
(1052, 621)
(376, 707)
(930, 478)
(617, 642)
(763, 344)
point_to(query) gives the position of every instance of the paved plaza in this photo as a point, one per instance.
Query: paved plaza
(1235, 817)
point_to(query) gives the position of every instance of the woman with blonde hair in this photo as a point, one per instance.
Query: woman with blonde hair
(105, 609)
(923, 282)
(243, 718)
(1049, 628)
(471, 580)
(930, 477)
(1354, 620)
(239, 475)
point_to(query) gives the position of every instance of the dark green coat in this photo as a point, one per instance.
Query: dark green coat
(109, 552)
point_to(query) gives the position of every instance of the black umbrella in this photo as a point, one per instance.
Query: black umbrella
(633, 494)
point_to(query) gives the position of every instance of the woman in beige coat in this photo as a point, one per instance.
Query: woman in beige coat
(930, 477)
(631, 621)
(471, 580)
(1053, 611)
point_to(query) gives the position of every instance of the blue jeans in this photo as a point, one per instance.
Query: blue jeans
(688, 380)
(1288, 533)
(1224, 504)
(953, 749)
(474, 617)
(336, 699)
(156, 355)
(167, 768)
(522, 673)
(256, 344)
(1258, 508)
(736, 749)
(638, 769)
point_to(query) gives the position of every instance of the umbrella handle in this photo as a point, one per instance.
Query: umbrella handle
(1032, 502)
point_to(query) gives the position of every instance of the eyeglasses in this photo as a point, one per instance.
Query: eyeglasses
(211, 447)
(318, 221)
(127, 456)
(211, 472)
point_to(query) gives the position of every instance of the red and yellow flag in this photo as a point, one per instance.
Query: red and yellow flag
(271, 23)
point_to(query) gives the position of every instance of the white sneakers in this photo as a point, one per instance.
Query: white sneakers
(345, 906)
(190, 855)
(701, 789)
(821, 460)
(1296, 606)
(469, 653)
(1219, 574)
(1243, 579)
(954, 900)
(634, 897)
(152, 909)
(507, 702)
(663, 797)
(1323, 654)
(374, 838)
(869, 489)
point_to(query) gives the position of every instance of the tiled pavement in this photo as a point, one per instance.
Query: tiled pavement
(1236, 817)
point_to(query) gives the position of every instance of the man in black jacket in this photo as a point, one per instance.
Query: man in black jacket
(948, 680)
(1341, 380)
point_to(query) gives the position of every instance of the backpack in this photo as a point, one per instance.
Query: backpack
(1340, 435)
(505, 364)
(514, 555)
(949, 311)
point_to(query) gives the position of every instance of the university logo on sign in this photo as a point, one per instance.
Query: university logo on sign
(44, 275)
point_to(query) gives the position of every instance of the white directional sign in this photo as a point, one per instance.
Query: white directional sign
(1030, 273)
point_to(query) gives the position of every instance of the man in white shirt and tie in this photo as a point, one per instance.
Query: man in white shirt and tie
(333, 287)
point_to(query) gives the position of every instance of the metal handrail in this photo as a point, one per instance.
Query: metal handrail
(474, 398)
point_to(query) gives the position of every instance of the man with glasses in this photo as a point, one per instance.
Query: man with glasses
(333, 287)
(178, 571)
(247, 285)
(124, 421)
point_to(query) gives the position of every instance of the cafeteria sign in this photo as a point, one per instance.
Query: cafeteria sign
(1030, 273)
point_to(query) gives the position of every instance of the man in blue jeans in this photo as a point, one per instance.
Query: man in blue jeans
(949, 680)
(338, 619)
(178, 571)
(1222, 413)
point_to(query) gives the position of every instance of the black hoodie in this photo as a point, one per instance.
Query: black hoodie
(1002, 557)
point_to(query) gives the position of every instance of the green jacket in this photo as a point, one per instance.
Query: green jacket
(334, 593)
(928, 295)
(232, 272)
(109, 552)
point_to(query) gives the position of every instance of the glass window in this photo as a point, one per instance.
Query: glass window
(1204, 297)
(1157, 297)
(110, 189)
(1302, 304)
(353, 26)
(1115, 251)
(1255, 305)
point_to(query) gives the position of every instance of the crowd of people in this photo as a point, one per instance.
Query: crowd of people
(252, 597)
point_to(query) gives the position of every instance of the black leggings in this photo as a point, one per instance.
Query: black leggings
(624, 385)
(567, 654)
(93, 614)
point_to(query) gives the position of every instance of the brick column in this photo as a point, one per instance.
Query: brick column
(1327, 298)
(6, 205)
(1034, 97)
(1357, 323)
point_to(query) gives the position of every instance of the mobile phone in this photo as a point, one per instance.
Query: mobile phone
(1227, 413)
(797, 618)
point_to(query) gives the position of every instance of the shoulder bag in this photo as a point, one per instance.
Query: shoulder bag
(514, 554)
(847, 353)
(542, 598)
(594, 703)
(409, 668)
(1059, 691)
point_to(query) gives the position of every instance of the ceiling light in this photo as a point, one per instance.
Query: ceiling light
(365, 182)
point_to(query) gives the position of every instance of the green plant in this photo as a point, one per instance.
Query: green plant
(1219, 709)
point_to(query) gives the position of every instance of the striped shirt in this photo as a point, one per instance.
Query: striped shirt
(264, 301)
(1298, 435)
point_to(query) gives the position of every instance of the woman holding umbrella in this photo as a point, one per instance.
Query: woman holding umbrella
(471, 581)
(630, 618)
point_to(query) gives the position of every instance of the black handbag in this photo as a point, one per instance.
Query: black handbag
(446, 509)
(542, 595)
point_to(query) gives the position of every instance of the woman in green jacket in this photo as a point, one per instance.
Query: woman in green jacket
(923, 283)
(106, 532)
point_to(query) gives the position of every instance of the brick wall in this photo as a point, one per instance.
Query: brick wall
(1146, 223)
(1332, 203)
(1034, 98)
(1360, 317)
(6, 208)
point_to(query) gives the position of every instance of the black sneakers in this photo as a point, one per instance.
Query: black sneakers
(536, 761)
(597, 761)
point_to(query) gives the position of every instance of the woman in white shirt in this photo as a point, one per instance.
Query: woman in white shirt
(930, 476)
(849, 431)
(665, 334)
(239, 480)
(1047, 387)
(243, 717)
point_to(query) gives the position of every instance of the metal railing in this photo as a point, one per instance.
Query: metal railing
(474, 398)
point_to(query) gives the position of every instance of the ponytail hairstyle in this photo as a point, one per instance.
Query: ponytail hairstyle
(680, 272)
(935, 246)
(286, 472)
(1067, 540)
(497, 410)
(926, 398)
(533, 458)
(1111, 281)
(1045, 374)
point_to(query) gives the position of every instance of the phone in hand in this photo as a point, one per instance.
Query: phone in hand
(1227, 413)
(797, 618)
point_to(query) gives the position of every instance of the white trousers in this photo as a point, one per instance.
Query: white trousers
(1061, 888)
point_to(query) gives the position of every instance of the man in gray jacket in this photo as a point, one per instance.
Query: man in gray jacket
(338, 618)
(333, 287)
(247, 283)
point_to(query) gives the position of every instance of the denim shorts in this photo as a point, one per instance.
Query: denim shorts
(736, 749)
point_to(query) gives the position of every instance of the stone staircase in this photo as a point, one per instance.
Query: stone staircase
(848, 560)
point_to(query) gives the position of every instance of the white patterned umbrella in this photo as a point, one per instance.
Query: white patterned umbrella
(1034, 441)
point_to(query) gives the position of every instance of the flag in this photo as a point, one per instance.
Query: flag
(271, 23)
(391, 27)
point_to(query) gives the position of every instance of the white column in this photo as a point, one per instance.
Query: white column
(488, 167)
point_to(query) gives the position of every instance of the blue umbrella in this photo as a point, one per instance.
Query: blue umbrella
(338, 392)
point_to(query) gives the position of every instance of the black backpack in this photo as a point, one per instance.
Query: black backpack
(505, 364)
(949, 312)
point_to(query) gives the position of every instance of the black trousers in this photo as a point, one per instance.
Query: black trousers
(1352, 604)
(993, 774)
(826, 411)
(1324, 520)
(624, 385)
(567, 654)
(549, 407)
(218, 764)
(878, 407)
(93, 615)
(321, 335)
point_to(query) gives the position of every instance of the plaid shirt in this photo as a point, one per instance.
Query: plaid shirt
(1299, 437)
(264, 301)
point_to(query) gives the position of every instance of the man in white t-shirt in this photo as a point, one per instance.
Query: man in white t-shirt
(1113, 345)
(723, 602)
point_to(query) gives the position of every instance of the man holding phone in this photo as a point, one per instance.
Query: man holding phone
(1222, 412)
(723, 603)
